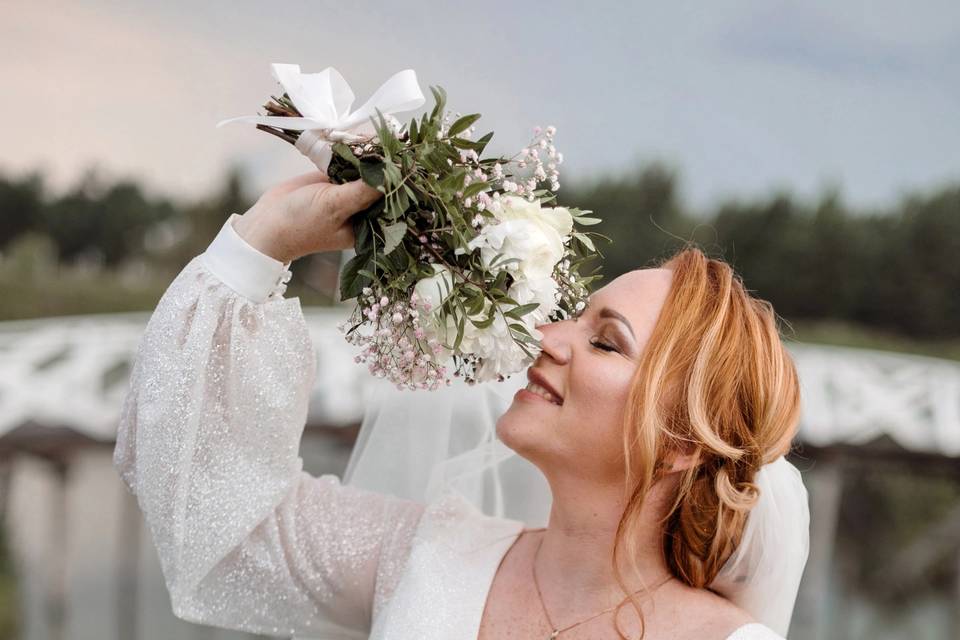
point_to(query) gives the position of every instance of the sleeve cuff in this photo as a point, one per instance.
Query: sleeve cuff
(248, 271)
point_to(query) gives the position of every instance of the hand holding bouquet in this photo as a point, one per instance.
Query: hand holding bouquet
(461, 258)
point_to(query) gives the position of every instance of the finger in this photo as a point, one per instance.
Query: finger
(351, 197)
(343, 238)
(312, 177)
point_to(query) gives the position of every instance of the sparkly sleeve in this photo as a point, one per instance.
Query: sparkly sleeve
(208, 441)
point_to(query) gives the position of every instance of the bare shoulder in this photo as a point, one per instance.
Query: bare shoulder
(707, 615)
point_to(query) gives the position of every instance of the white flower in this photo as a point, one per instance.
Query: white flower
(499, 352)
(525, 231)
(435, 289)
(543, 291)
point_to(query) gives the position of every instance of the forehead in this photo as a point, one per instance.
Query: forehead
(639, 295)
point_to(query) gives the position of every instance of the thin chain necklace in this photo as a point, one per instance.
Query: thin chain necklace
(556, 631)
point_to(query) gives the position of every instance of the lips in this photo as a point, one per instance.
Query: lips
(538, 379)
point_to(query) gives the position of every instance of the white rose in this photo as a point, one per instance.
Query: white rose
(523, 232)
(543, 291)
(517, 208)
(538, 246)
(560, 219)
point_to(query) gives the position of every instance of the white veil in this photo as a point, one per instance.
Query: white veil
(419, 444)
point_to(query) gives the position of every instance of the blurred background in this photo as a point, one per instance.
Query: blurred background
(812, 145)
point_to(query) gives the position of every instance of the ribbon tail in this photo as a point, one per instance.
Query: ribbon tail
(399, 93)
(281, 122)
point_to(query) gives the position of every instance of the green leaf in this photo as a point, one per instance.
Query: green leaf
(454, 181)
(481, 144)
(393, 235)
(587, 242)
(521, 333)
(344, 152)
(522, 310)
(586, 220)
(440, 99)
(599, 235)
(463, 143)
(412, 130)
(352, 281)
(486, 322)
(460, 331)
(372, 173)
(410, 193)
(475, 307)
(475, 188)
(462, 124)
(392, 173)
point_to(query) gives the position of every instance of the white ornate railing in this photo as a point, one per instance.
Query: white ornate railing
(73, 372)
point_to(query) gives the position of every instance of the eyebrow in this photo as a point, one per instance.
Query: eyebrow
(607, 312)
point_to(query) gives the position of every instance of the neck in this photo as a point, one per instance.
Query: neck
(576, 550)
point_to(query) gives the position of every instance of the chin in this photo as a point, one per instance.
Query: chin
(519, 433)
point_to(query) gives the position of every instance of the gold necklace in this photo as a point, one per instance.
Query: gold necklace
(556, 631)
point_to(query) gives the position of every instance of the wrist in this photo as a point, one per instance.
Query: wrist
(262, 238)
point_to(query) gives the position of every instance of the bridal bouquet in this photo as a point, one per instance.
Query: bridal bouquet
(462, 257)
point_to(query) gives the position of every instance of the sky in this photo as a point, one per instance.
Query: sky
(742, 98)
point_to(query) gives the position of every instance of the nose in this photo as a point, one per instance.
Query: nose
(554, 343)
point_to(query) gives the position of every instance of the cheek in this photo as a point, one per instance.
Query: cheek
(593, 426)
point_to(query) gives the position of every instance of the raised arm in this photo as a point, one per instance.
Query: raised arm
(208, 441)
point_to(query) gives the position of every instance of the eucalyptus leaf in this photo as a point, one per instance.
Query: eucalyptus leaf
(462, 124)
(393, 235)
(522, 310)
(585, 239)
(474, 188)
(586, 220)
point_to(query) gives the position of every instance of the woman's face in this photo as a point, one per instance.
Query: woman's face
(589, 363)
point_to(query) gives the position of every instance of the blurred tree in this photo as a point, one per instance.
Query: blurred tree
(103, 222)
(896, 269)
(640, 211)
(21, 204)
(205, 218)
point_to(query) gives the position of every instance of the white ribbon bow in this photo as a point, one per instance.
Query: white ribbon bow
(324, 99)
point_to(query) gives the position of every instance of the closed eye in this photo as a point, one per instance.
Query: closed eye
(595, 343)
(602, 345)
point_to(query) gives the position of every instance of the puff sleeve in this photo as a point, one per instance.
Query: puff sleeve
(208, 441)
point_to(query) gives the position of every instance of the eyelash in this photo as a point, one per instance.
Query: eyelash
(597, 344)
(603, 346)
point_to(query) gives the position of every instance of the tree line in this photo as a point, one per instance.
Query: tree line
(894, 269)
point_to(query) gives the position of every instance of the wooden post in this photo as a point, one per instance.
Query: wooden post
(57, 565)
(812, 614)
(128, 566)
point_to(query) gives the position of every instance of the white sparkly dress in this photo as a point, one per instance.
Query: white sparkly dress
(208, 441)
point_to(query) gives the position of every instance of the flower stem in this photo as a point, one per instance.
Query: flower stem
(278, 133)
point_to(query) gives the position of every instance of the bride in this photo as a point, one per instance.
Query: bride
(658, 419)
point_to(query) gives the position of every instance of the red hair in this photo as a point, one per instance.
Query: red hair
(716, 381)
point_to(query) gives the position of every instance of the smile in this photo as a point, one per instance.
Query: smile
(537, 390)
